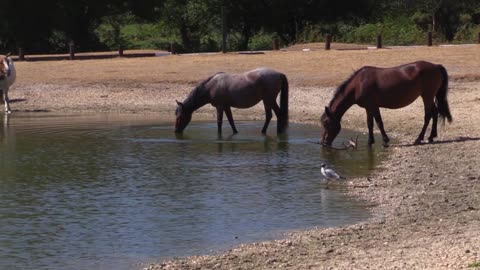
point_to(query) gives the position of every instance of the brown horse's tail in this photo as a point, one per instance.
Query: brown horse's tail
(283, 119)
(441, 100)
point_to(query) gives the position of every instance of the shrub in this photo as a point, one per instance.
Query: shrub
(261, 41)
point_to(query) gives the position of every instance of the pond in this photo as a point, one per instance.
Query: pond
(111, 191)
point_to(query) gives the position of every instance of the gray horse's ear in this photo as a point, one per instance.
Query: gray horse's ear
(327, 111)
(8, 54)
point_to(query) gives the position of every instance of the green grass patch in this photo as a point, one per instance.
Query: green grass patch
(474, 265)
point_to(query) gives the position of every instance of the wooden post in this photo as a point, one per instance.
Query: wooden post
(71, 47)
(429, 39)
(120, 51)
(21, 54)
(224, 30)
(478, 37)
(328, 40)
(379, 41)
(275, 44)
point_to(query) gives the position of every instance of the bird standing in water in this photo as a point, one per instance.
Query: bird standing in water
(329, 173)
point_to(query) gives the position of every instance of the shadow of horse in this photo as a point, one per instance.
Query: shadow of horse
(456, 140)
(15, 100)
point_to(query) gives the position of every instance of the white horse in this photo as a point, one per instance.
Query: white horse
(7, 78)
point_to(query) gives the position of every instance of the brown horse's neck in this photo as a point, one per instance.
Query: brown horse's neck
(344, 97)
(341, 103)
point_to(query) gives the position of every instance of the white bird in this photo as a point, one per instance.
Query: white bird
(329, 173)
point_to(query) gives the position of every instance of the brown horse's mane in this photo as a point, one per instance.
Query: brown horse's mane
(342, 86)
(192, 101)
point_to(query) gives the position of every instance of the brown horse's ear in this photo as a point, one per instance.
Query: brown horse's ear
(327, 111)
(179, 103)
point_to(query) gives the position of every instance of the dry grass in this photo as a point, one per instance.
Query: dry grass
(314, 68)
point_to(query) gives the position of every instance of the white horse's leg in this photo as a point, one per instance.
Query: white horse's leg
(7, 101)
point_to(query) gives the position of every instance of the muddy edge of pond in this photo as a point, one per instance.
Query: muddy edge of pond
(427, 213)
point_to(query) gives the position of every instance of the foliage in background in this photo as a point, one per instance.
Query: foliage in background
(394, 31)
(196, 25)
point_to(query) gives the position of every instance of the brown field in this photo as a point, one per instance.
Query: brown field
(427, 198)
(314, 68)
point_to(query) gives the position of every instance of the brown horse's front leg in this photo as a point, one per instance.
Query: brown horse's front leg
(371, 139)
(228, 112)
(219, 119)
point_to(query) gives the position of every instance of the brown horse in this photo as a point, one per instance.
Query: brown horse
(225, 91)
(393, 88)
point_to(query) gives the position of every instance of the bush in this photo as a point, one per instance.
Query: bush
(467, 33)
(261, 41)
(394, 31)
(149, 36)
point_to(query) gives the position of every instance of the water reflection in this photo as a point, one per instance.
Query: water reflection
(98, 192)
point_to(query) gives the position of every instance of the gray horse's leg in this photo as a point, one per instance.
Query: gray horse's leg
(228, 112)
(7, 101)
(268, 117)
(219, 119)
(378, 119)
(281, 121)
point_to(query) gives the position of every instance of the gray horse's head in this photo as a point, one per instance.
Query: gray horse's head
(183, 117)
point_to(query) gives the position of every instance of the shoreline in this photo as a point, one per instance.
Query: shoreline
(426, 197)
(414, 218)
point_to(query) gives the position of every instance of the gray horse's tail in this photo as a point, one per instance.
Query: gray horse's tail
(283, 122)
(441, 99)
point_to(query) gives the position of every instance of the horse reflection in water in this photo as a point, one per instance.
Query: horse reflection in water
(224, 91)
(393, 88)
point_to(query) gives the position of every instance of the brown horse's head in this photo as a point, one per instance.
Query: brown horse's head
(331, 127)
(182, 118)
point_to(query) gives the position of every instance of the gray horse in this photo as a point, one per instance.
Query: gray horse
(225, 91)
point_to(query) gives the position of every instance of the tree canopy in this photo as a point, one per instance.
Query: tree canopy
(196, 25)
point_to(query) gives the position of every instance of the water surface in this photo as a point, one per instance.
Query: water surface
(110, 191)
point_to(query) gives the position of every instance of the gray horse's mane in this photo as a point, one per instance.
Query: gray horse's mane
(195, 94)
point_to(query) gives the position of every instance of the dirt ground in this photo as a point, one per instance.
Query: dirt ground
(426, 198)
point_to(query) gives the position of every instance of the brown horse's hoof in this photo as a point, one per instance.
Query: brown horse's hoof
(417, 142)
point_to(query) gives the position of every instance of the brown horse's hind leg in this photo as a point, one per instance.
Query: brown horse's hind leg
(426, 121)
(433, 133)
(228, 112)
(378, 119)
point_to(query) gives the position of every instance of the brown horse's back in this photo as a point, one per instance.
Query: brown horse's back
(397, 87)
